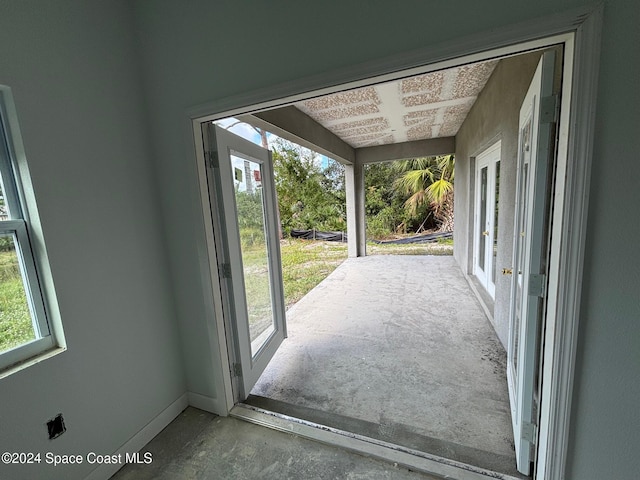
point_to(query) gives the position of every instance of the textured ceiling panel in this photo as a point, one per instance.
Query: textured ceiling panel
(466, 84)
(425, 106)
(420, 132)
(381, 121)
(349, 113)
(430, 83)
(362, 130)
(360, 95)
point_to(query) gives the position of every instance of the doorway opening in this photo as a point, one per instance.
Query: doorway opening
(356, 174)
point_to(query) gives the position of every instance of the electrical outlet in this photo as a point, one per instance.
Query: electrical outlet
(56, 427)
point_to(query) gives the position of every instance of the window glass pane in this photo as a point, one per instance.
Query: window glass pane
(254, 249)
(4, 207)
(16, 327)
(483, 218)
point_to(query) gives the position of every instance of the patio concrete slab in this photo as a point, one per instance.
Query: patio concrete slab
(399, 342)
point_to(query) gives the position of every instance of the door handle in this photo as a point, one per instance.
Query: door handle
(485, 233)
(507, 271)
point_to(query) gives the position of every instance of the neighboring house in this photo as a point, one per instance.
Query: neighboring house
(105, 94)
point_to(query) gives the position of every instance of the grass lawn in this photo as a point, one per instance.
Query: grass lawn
(305, 263)
(15, 320)
(441, 247)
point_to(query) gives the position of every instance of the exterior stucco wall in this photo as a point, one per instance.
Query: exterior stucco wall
(493, 117)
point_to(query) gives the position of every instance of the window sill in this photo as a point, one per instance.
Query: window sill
(37, 358)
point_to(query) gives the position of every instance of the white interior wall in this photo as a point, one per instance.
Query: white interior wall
(203, 51)
(76, 85)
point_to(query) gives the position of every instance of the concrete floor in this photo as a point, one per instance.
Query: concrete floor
(397, 348)
(198, 446)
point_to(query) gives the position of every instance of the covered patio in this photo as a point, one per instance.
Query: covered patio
(411, 350)
(397, 348)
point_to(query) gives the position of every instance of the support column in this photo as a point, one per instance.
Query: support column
(356, 229)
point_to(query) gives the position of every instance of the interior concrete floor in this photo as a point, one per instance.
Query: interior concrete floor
(198, 445)
(397, 348)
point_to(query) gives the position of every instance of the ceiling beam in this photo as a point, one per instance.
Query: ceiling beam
(405, 150)
(296, 126)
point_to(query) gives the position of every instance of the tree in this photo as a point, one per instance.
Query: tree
(384, 208)
(309, 197)
(250, 216)
(429, 180)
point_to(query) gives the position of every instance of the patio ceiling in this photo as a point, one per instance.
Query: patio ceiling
(405, 118)
(425, 106)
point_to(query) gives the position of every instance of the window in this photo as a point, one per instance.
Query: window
(24, 327)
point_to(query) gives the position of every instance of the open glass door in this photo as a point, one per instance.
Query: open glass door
(242, 193)
(535, 155)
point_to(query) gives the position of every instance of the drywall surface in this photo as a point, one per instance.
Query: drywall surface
(73, 71)
(493, 117)
(199, 52)
(605, 438)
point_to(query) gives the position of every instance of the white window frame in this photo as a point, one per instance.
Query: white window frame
(18, 225)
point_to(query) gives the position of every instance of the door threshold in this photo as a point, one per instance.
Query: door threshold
(395, 454)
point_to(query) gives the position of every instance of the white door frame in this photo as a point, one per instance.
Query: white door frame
(485, 159)
(579, 30)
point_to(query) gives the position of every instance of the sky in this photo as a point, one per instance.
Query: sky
(247, 132)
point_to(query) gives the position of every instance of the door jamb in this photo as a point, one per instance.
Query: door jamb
(580, 31)
(212, 287)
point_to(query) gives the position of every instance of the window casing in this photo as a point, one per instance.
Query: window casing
(21, 297)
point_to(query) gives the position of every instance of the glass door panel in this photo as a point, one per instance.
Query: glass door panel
(252, 221)
(486, 238)
(482, 250)
(242, 190)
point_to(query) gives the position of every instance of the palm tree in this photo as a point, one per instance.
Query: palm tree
(429, 179)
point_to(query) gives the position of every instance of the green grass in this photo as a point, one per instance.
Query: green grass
(441, 247)
(15, 320)
(305, 263)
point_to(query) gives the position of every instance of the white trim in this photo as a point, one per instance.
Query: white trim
(211, 280)
(208, 404)
(409, 458)
(585, 23)
(140, 439)
(563, 306)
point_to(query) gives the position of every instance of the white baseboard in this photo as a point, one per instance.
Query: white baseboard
(144, 436)
(208, 404)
